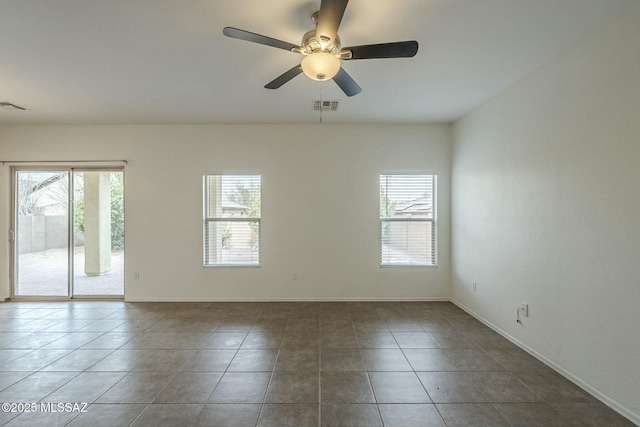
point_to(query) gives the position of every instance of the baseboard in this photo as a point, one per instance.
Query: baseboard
(296, 299)
(635, 418)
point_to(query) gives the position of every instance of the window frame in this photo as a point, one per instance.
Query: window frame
(432, 220)
(207, 221)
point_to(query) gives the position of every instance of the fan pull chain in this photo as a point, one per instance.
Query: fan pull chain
(321, 100)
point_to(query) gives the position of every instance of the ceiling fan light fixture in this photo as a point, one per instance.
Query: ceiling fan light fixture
(322, 49)
(320, 66)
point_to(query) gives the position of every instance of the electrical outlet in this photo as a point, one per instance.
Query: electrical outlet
(136, 276)
(295, 275)
(474, 287)
(523, 308)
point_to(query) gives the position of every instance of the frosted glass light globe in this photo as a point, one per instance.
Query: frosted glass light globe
(320, 66)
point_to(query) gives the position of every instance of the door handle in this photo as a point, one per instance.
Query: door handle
(12, 236)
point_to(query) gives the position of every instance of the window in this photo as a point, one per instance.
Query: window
(231, 220)
(407, 220)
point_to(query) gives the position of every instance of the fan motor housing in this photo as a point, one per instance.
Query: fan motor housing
(311, 44)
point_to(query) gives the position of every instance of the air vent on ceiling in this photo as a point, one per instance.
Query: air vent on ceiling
(11, 107)
(319, 105)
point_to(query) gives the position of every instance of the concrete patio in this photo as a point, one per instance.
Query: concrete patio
(45, 274)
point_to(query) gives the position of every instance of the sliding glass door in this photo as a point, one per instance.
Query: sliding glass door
(68, 233)
(98, 233)
(41, 233)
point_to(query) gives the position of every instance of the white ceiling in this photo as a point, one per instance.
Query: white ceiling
(166, 61)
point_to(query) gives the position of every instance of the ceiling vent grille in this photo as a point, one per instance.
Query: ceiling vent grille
(319, 105)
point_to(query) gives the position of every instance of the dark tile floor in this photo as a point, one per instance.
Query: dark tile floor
(274, 364)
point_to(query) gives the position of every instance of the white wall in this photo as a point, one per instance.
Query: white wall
(546, 210)
(320, 204)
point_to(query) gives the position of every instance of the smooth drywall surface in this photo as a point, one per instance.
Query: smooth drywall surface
(545, 211)
(320, 192)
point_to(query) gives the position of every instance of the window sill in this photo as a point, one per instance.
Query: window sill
(409, 265)
(232, 266)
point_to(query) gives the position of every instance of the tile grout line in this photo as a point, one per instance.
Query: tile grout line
(364, 361)
(264, 398)
(319, 351)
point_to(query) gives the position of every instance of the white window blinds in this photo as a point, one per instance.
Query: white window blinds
(232, 215)
(407, 220)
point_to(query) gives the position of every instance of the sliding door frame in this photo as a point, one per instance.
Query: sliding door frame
(14, 271)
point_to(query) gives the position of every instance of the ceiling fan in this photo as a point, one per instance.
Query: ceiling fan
(323, 51)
